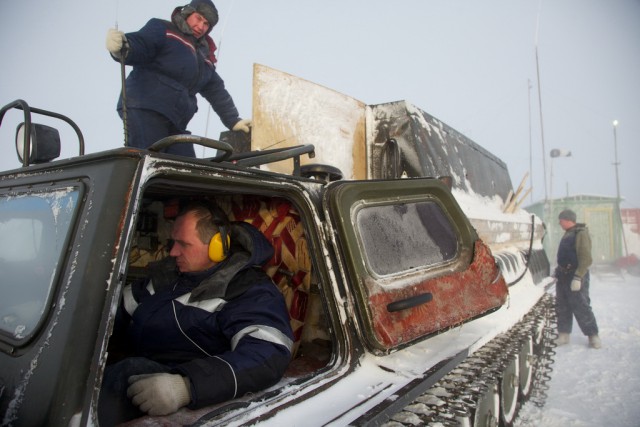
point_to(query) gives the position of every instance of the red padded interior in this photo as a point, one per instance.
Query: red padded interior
(290, 266)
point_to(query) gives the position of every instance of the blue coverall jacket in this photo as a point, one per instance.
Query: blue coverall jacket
(169, 69)
(227, 329)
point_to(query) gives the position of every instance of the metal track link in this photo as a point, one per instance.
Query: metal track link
(452, 401)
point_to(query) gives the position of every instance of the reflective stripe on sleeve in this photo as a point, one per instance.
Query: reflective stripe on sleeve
(210, 305)
(130, 304)
(262, 332)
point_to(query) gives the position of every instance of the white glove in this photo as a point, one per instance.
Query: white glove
(159, 394)
(244, 125)
(576, 284)
(115, 41)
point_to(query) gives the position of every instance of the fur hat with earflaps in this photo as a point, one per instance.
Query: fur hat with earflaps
(205, 8)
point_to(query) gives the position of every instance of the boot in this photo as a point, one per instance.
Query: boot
(563, 339)
(594, 341)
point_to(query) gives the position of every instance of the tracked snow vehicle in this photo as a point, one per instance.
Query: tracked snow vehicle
(416, 287)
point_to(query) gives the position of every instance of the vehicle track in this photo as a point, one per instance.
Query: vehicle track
(472, 393)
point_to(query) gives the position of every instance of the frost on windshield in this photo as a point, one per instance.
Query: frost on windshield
(403, 237)
(34, 227)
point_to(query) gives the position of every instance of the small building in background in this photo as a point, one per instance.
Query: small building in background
(631, 225)
(605, 223)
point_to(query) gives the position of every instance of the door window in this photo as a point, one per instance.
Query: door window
(402, 237)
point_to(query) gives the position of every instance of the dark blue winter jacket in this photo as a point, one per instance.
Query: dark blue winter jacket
(227, 329)
(169, 69)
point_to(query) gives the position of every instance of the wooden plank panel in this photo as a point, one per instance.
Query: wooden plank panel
(289, 111)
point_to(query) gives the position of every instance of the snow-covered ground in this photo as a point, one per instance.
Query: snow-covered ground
(594, 388)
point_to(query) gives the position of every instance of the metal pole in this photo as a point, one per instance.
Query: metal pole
(123, 77)
(616, 164)
(551, 180)
(530, 141)
(544, 151)
(544, 156)
(124, 100)
(551, 229)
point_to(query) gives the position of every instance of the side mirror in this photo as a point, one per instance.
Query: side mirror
(42, 145)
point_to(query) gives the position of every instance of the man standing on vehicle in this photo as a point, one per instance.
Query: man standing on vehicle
(172, 62)
(572, 286)
(206, 326)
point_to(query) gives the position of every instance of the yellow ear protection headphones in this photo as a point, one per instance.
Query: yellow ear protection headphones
(219, 247)
(220, 242)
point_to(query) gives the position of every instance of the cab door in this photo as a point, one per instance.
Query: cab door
(413, 262)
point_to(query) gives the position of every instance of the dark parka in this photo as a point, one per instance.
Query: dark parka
(574, 260)
(227, 329)
(574, 253)
(170, 66)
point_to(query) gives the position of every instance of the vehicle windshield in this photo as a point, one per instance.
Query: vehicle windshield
(34, 228)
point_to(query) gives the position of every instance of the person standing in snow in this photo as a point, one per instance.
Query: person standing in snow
(172, 62)
(572, 286)
(207, 325)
